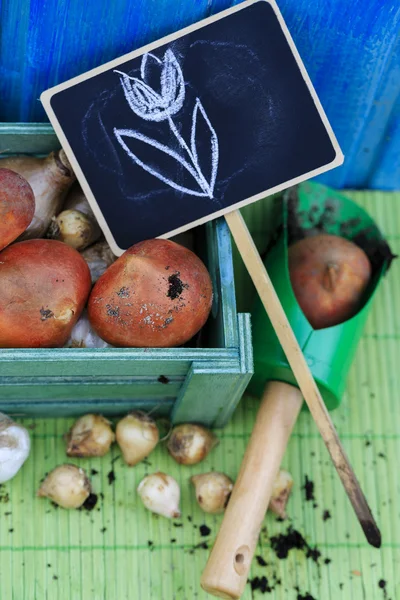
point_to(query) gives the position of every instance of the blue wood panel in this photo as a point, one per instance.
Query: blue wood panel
(351, 49)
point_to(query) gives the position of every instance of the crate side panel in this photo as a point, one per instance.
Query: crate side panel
(76, 391)
(109, 407)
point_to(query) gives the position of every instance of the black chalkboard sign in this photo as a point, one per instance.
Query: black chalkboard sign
(193, 126)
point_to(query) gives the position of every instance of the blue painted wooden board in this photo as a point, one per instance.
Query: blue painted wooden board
(351, 49)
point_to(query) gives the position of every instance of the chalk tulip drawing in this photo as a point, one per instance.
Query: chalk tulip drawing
(162, 105)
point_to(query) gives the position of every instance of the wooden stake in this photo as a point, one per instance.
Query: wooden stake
(251, 258)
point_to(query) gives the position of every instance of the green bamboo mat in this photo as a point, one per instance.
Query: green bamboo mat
(120, 551)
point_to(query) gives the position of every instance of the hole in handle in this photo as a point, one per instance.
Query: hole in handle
(241, 560)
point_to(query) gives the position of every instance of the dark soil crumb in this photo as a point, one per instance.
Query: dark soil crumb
(177, 524)
(309, 489)
(261, 584)
(326, 515)
(381, 455)
(54, 504)
(202, 545)
(172, 540)
(327, 561)
(163, 379)
(49, 565)
(368, 443)
(11, 530)
(313, 553)
(4, 496)
(315, 505)
(190, 519)
(341, 585)
(204, 530)
(279, 519)
(8, 513)
(90, 502)
(101, 495)
(305, 596)
(292, 539)
(94, 472)
(312, 453)
(55, 577)
(382, 584)
(261, 561)
(103, 529)
(176, 286)
(111, 477)
(150, 543)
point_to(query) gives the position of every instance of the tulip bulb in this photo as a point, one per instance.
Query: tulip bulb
(98, 257)
(190, 444)
(50, 178)
(137, 435)
(15, 445)
(280, 494)
(66, 485)
(74, 228)
(213, 491)
(160, 494)
(84, 336)
(91, 435)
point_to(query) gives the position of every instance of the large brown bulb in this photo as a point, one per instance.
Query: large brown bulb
(17, 206)
(329, 276)
(157, 294)
(44, 285)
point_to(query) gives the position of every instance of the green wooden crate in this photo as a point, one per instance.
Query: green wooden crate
(200, 384)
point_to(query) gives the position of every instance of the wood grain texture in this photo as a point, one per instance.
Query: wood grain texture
(351, 50)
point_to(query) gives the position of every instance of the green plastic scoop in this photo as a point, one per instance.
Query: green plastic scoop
(330, 351)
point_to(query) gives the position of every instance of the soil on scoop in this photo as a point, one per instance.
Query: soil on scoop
(320, 221)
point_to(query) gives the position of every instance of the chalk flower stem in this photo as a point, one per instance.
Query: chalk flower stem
(152, 105)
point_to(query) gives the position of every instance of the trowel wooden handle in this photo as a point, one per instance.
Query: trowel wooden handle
(227, 569)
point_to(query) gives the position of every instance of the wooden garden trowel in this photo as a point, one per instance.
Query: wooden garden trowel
(328, 352)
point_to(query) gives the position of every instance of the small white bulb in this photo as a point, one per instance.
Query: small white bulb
(90, 435)
(280, 494)
(67, 485)
(137, 435)
(190, 444)
(160, 493)
(213, 491)
(15, 445)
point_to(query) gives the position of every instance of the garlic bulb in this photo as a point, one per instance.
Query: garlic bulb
(66, 485)
(212, 491)
(84, 336)
(190, 444)
(98, 257)
(15, 445)
(280, 494)
(91, 435)
(160, 493)
(137, 435)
